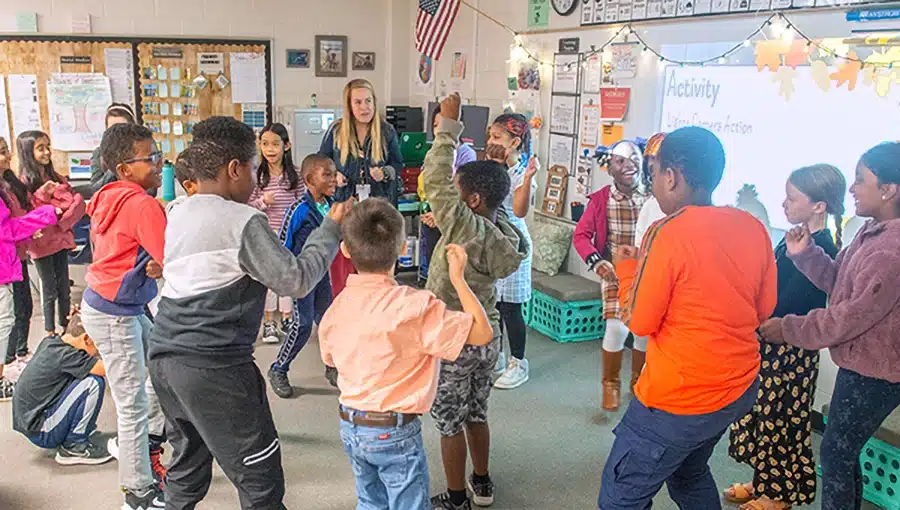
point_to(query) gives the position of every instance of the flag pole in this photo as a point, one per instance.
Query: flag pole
(488, 16)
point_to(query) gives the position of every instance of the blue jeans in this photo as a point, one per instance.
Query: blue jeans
(308, 310)
(653, 447)
(858, 406)
(74, 416)
(389, 466)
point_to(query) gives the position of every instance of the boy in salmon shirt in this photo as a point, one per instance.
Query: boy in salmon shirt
(128, 233)
(389, 355)
(705, 281)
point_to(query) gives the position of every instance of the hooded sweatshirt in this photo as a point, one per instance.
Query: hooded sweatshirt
(128, 229)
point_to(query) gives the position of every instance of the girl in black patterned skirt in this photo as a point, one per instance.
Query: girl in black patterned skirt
(775, 438)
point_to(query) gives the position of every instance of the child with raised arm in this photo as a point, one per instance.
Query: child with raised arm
(389, 355)
(221, 256)
(705, 281)
(468, 212)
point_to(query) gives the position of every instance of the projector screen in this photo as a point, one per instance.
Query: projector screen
(766, 137)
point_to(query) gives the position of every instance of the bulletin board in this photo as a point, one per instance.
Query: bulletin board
(43, 59)
(44, 56)
(172, 70)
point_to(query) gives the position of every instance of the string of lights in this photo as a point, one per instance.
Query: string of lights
(786, 32)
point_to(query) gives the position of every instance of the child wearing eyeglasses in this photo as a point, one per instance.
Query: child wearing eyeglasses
(128, 232)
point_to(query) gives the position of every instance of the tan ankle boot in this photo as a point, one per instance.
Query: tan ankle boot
(638, 358)
(612, 386)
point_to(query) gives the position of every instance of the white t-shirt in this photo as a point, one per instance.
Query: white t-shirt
(650, 214)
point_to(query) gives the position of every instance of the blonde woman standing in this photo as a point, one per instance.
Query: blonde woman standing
(366, 151)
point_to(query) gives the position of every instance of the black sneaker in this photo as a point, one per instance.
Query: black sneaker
(442, 502)
(331, 374)
(150, 498)
(280, 383)
(270, 333)
(7, 388)
(482, 493)
(87, 454)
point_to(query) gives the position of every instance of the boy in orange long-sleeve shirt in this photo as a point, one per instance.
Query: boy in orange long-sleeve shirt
(704, 282)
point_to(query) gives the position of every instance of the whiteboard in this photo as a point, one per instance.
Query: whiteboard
(766, 137)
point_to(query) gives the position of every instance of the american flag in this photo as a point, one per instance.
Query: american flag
(433, 25)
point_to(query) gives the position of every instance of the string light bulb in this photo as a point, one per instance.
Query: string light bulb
(721, 60)
(788, 34)
(746, 43)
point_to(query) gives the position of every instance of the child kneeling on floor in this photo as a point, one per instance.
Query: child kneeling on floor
(59, 396)
(387, 340)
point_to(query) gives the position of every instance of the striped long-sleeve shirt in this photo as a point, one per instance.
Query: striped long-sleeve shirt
(283, 196)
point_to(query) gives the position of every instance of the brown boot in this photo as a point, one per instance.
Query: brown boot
(612, 365)
(638, 358)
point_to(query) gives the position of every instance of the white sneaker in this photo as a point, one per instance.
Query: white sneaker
(270, 333)
(112, 446)
(501, 366)
(516, 376)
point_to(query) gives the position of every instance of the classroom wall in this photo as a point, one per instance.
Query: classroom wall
(289, 23)
(488, 47)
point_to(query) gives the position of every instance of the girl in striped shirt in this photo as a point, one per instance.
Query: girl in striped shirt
(278, 185)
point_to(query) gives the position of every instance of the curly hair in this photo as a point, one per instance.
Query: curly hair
(118, 142)
(698, 153)
(217, 141)
(487, 178)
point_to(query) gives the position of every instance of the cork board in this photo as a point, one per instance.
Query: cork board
(196, 104)
(42, 58)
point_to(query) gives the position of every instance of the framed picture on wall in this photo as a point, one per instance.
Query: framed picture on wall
(363, 60)
(331, 56)
(298, 59)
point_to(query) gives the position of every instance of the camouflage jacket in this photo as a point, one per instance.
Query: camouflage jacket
(495, 248)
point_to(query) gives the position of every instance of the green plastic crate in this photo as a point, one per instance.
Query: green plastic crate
(880, 464)
(577, 321)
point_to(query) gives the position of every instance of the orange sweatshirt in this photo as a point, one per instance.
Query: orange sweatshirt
(705, 281)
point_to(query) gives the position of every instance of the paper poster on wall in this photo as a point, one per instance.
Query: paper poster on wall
(565, 73)
(625, 10)
(685, 7)
(702, 7)
(654, 9)
(611, 133)
(781, 4)
(79, 165)
(599, 11)
(639, 9)
(211, 63)
(538, 13)
(587, 12)
(669, 8)
(590, 125)
(76, 103)
(583, 170)
(720, 6)
(739, 5)
(760, 5)
(593, 74)
(563, 114)
(4, 115)
(423, 76)
(562, 150)
(614, 103)
(612, 11)
(120, 71)
(254, 115)
(248, 77)
(624, 60)
(23, 101)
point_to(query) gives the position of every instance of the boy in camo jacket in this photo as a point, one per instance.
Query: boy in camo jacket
(468, 213)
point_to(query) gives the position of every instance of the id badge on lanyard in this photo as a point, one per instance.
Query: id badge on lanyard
(363, 190)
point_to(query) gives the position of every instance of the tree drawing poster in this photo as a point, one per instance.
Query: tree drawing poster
(77, 105)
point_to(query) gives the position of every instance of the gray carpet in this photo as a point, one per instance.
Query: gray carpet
(549, 444)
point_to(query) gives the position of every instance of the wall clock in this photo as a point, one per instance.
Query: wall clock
(564, 7)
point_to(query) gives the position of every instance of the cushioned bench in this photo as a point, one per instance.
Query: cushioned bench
(566, 307)
(566, 287)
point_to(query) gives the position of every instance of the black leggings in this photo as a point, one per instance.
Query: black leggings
(54, 273)
(23, 307)
(513, 322)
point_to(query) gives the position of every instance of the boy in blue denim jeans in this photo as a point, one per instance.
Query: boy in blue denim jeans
(387, 342)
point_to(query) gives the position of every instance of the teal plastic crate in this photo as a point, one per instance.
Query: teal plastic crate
(880, 464)
(564, 322)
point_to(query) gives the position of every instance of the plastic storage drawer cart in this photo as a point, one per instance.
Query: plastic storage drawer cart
(566, 308)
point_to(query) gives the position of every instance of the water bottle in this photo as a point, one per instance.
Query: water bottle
(168, 181)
